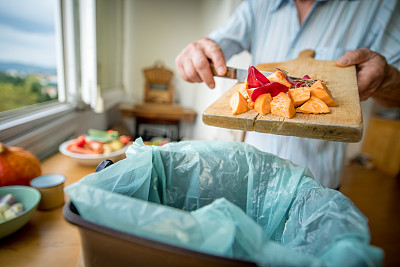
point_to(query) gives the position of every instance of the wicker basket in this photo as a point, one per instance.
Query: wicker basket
(158, 87)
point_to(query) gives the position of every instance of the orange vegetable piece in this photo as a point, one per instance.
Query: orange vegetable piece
(250, 104)
(243, 90)
(299, 95)
(282, 105)
(238, 103)
(313, 105)
(319, 90)
(250, 92)
(263, 104)
(279, 77)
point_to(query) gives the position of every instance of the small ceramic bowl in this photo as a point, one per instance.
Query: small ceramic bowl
(51, 187)
(29, 197)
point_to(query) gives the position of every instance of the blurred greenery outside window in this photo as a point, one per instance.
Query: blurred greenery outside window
(28, 68)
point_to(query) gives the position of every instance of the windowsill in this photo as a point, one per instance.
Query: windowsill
(22, 122)
(41, 131)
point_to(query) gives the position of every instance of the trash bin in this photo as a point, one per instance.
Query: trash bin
(214, 203)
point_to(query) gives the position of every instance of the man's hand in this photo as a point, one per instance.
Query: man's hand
(371, 69)
(193, 62)
(375, 77)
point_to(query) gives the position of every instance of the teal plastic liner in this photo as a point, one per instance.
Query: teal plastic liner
(227, 199)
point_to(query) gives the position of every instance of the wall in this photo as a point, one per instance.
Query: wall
(159, 30)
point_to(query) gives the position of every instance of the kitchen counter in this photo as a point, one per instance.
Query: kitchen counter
(47, 239)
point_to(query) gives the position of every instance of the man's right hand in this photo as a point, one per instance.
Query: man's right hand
(193, 63)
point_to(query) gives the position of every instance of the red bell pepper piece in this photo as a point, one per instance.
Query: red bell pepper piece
(255, 78)
(273, 88)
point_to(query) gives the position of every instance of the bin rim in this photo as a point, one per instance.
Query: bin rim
(75, 219)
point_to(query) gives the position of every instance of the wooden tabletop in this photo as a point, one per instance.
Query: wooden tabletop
(158, 111)
(47, 239)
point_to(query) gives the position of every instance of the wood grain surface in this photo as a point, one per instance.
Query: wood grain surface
(47, 239)
(344, 123)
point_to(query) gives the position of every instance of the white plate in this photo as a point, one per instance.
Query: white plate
(92, 160)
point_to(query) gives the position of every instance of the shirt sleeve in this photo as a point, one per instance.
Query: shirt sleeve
(235, 35)
(384, 36)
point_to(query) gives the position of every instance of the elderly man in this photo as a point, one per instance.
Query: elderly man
(363, 33)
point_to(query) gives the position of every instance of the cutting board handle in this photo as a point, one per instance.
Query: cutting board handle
(309, 53)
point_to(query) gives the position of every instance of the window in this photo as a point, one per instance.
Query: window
(28, 73)
(32, 84)
(60, 103)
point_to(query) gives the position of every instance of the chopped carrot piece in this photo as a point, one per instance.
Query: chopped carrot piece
(263, 104)
(250, 104)
(238, 103)
(242, 89)
(319, 90)
(313, 105)
(250, 92)
(299, 95)
(279, 77)
(282, 105)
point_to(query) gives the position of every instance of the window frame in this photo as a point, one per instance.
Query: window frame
(43, 127)
(27, 127)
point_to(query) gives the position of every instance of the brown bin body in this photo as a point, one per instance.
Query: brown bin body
(103, 246)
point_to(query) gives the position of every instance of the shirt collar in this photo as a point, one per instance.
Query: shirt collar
(281, 3)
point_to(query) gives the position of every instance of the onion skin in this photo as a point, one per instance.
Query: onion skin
(17, 166)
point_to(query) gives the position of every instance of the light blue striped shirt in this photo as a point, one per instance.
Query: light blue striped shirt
(270, 31)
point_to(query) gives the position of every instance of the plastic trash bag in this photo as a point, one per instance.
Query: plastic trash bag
(227, 199)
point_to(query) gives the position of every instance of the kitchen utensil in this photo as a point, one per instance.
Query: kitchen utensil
(241, 74)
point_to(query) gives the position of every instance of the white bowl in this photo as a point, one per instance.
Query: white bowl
(92, 160)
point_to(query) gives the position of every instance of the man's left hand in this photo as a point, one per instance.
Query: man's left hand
(372, 69)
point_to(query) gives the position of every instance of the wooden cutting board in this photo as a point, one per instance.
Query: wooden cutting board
(343, 124)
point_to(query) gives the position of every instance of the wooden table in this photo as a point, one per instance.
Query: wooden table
(47, 239)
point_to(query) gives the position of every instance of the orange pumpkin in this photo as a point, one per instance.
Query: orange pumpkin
(17, 166)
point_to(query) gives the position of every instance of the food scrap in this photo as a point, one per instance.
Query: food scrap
(280, 95)
(9, 208)
(157, 141)
(98, 142)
